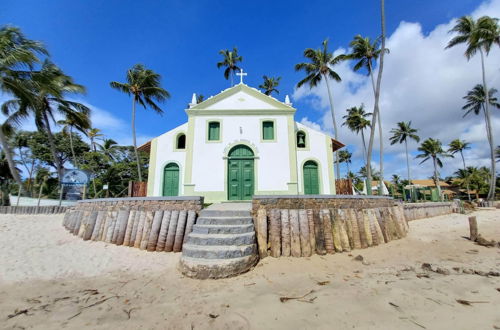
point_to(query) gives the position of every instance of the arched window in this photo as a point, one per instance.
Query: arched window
(181, 141)
(301, 139)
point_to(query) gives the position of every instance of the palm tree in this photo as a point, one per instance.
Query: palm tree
(345, 157)
(145, 87)
(458, 145)
(16, 54)
(319, 68)
(199, 98)
(480, 35)
(108, 148)
(498, 153)
(356, 121)
(230, 61)
(401, 134)
(432, 148)
(78, 121)
(94, 134)
(396, 179)
(269, 85)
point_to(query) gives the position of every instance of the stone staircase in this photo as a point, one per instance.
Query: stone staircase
(222, 243)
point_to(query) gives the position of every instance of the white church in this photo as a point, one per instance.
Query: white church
(237, 144)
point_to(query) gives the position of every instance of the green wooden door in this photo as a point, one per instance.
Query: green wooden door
(171, 180)
(240, 173)
(311, 178)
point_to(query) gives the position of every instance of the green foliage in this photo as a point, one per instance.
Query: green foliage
(230, 62)
(403, 132)
(363, 174)
(364, 51)
(476, 99)
(269, 85)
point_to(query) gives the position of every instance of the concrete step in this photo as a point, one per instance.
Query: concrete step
(218, 251)
(226, 220)
(216, 268)
(221, 239)
(225, 213)
(223, 229)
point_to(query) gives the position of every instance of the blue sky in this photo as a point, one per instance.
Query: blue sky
(97, 41)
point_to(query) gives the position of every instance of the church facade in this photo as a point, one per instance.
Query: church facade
(238, 144)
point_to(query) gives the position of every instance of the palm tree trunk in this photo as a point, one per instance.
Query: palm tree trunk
(436, 177)
(135, 142)
(52, 146)
(364, 145)
(10, 160)
(408, 162)
(463, 161)
(75, 163)
(337, 166)
(491, 192)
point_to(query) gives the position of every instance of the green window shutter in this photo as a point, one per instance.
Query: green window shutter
(268, 130)
(213, 131)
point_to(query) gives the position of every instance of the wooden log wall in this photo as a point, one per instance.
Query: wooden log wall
(417, 211)
(49, 209)
(303, 232)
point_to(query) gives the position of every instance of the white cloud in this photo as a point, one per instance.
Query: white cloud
(424, 83)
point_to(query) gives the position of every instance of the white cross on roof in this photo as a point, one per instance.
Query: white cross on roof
(241, 74)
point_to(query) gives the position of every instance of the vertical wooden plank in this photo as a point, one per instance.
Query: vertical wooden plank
(295, 233)
(111, 226)
(334, 224)
(172, 227)
(99, 226)
(262, 232)
(312, 236)
(368, 232)
(130, 225)
(179, 234)
(133, 235)
(361, 228)
(123, 216)
(162, 236)
(344, 217)
(305, 237)
(328, 231)
(90, 225)
(319, 233)
(344, 238)
(155, 230)
(146, 230)
(285, 233)
(191, 219)
(140, 228)
(275, 232)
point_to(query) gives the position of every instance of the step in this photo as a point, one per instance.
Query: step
(221, 239)
(229, 220)
(223, 229)
(218, 251)
(216, 268)
(225, 213)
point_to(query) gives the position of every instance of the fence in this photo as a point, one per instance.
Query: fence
(343, 186)
(137, 189)
(47, 209)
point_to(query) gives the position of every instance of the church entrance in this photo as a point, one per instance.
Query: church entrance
(311, 178)
(171, 180)
(240, 173)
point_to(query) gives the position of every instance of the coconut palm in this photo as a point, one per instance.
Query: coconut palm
(78, 121)
(396, 179)
(479, 36)
(230, 61)
(269, 85)
(476, 101)
(145, 87)
(433, 149)
(459, 146)
(345, 157)
(401, 134)
(199, 98)
(108, 148)
(356, 120)
(318, 68)
(94, 134)
(16, 54)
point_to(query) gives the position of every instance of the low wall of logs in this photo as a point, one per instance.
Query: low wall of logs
(416, 211)
(46, 209)
(147, 223)
(343, 225)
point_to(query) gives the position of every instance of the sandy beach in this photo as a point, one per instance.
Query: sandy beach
(50, 279)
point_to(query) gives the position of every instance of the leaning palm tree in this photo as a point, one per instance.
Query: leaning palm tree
(459, 146)
(230, 61)
(433, 149)
(269, 85)
(401, 134)
(318, 68)
(94, 134)
(78, 121)
(479, 36)
(345, 157)
(108, 148)
(145, 87)
(356, 120)
(17, 53)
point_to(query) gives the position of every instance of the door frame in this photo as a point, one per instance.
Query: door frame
(320, 175)
(180, 190)
(226, 157)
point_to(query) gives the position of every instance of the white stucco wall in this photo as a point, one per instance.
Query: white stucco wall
(166, 153)
(271, 167)
(318, 152)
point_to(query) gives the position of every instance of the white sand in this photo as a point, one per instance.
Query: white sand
(54, 275)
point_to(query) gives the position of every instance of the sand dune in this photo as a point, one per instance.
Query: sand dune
(56, 280)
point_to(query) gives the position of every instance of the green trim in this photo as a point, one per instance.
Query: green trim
(293, 185)
(152, 167)
(235, 89)
(329, 159)
(207, 130)
(176, 136)
(320, 175)
(188, 164)
(306, 133)
(275, 130)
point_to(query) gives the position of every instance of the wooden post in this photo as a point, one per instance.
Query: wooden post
(262, 232)
(295, 233)
(179, 234)
(305, 239)
(473, 228)
(162, 236)
(275, 232)
(172, 229)
(285, 233)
